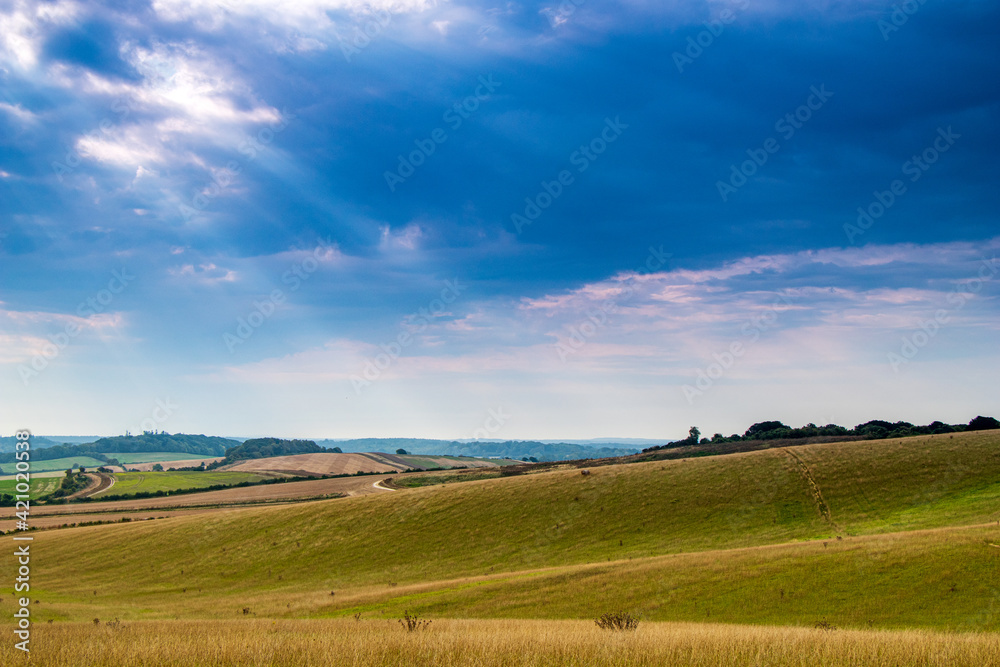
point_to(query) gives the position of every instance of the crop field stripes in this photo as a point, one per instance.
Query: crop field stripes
(814, 490)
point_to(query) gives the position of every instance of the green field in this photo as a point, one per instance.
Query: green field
(136, 482)
(39, 486)
(154, 457)
(54, 464)
(882, 534)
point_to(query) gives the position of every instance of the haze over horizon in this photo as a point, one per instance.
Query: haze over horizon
(546, 220)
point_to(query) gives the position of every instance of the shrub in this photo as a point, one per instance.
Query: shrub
(412, 623)
(618, 621)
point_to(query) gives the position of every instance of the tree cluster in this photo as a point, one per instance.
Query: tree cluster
(875, 429)
(148, 442)
(262, 448)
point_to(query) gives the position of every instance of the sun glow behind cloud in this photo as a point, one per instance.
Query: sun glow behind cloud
(233, 157)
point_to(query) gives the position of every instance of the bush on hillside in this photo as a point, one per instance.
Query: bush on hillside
(982, 424)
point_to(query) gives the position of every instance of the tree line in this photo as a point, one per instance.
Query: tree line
(875, 429)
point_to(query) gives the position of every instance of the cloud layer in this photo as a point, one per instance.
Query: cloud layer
(616, 195)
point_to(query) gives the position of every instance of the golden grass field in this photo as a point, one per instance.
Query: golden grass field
(324, 463)
(486, 643)
(728, 560)
(317, 464)
(147, 466)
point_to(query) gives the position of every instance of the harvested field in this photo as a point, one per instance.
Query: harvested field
(318, 464)
(179, 463)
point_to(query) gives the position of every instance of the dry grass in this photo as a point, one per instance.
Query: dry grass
(319, 464)
(147, 466)
(464, 643)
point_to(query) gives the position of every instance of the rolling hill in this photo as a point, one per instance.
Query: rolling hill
(821, 527)
(511, 449)
(198, 445)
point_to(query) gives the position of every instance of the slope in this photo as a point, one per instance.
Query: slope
(518, 524)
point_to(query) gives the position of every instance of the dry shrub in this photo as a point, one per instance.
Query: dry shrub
(618, 621)
(412, 623)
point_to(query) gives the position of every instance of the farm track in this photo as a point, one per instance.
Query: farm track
(97, 482)
(106, 482)
(814, 489)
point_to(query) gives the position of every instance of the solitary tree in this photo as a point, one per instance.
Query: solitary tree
(157, 467)
(401, 451)
(693, 435)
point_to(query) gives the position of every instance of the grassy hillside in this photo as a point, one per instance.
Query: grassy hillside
(380, 546)
(943, 578)
(918, 482)
(460, 643)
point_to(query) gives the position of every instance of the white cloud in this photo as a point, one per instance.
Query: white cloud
(407, 238)
(22, 24)
(206, 273)
(306, 16)
(670, 323)
(187, 100)
(25, 334)
(17, 112)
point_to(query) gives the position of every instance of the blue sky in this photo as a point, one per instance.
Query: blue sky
(339, 219)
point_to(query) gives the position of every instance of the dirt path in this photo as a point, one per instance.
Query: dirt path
(378, 485)
(814, 490)
(93, 484)
(106, 482)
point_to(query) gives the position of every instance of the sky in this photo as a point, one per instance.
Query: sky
(513, 220)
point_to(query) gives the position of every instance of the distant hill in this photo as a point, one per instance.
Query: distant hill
(389, 445)
(203, 445)
(7, 443)
(72, 439)
(512, 449)
(543, 451)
